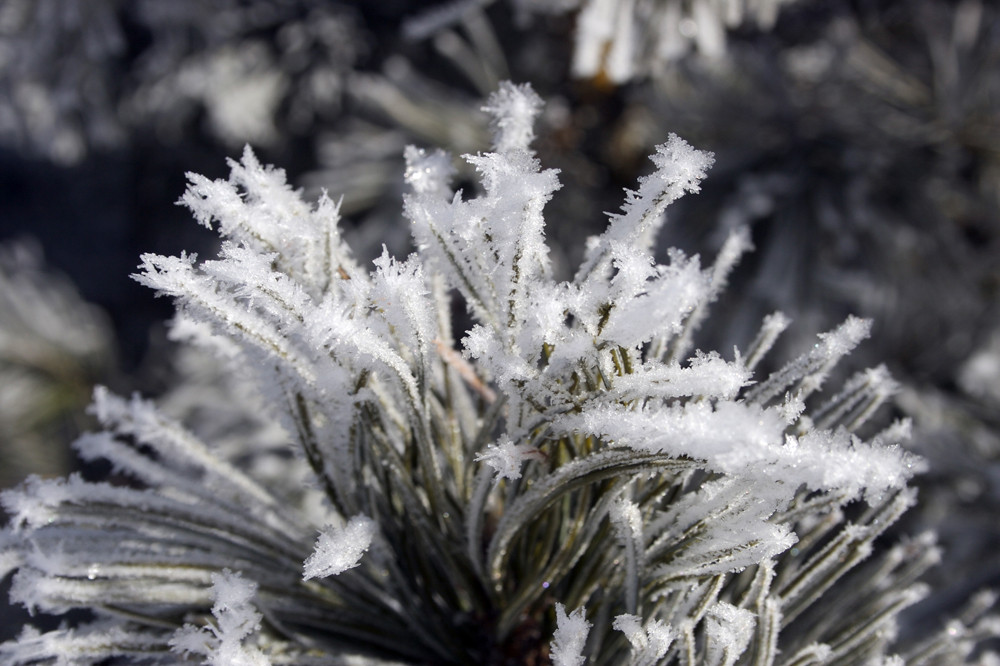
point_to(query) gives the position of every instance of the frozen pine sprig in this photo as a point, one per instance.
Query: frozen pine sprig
(680, 169)
(620, 42)
(574, 449)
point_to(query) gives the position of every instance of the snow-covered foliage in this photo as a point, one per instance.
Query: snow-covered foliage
(856, 187)
(53, 347)
(573, 449)
(623, 40)
(83, 76)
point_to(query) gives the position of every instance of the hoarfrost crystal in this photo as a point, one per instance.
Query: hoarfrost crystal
(340, 549)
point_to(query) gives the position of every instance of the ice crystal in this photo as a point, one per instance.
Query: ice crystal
(570, 637)
(339, 548)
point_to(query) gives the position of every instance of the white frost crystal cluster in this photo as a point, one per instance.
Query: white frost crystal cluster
(574, 449)
(221, 643)
(339, 548)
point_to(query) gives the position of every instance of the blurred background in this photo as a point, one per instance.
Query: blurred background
(858, 140)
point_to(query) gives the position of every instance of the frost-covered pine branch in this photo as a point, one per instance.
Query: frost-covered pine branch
(53, 347)
(621, 41)
(573, 449)
(97, 75)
